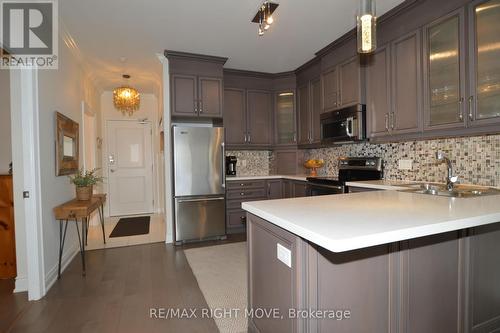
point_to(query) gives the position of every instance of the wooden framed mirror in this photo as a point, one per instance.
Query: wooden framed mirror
(67, 145)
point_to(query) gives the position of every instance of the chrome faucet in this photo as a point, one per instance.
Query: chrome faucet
(450, 179)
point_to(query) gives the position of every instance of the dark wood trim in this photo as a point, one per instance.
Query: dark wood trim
(194, 56)
(242, 72)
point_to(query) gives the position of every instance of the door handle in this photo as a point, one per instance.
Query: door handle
(223, 164)
(471, 115)
(200, 200)
(349, 127)
(460, 109)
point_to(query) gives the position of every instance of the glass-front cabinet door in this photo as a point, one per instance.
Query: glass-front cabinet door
(484, 102)
(285, 118)
(444, 78)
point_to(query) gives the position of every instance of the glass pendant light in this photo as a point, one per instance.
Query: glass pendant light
(261, 30)
(270, 18)
(367, 25)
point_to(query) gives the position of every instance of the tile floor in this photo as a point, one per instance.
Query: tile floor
(156, 234)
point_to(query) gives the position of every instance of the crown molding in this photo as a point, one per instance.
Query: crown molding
(194, 56)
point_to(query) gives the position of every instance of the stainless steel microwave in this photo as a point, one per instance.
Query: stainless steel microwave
(344, 125)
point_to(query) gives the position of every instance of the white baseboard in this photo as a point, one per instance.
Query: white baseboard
(51, 276)
(21, 284)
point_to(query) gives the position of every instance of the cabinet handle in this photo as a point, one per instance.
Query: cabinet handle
(201, 106)
(249, 138)
(246, 140)
(460, 109)
(393, 116)
(196, 106)
(471, 115)
(243, 219)
(387, 122)
(294, 136)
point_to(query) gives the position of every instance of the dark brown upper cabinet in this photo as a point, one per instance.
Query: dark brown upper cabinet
(303, 115)
(259, 113)
(331, 98)
(184, 95)
(315, 111)
(309, 110)
(210, 97)
(248, 118)
(393, 88)
(196, 96)
(196, 85)
(235, 116)
(406, 84)
(285, 118)
(350, 76)
(343, 85)
(444, 72)
(378, 92)
(483, 102)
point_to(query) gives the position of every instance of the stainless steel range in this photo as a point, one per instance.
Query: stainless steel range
(350, 169)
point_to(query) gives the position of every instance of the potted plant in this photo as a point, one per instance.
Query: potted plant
(84, 182)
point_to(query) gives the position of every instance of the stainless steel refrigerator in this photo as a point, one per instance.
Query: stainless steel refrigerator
(199, 183)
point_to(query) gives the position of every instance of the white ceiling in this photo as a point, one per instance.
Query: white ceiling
(107, 30)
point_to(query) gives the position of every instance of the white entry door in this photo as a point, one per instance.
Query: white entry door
(130, 167)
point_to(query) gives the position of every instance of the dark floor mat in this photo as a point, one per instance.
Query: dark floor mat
(131, 226)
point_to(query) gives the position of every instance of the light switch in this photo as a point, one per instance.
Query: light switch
(284, 255)
(405, 164)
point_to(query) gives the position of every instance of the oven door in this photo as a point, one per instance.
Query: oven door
(316, 189)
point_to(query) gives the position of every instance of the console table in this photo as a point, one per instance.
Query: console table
(75, 210)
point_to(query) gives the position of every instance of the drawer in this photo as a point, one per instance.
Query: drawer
(237, 218)
(236, 204)
(246, 193)
(245, 184)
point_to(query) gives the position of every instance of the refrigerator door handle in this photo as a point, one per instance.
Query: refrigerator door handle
(200, 200)
(223, 165)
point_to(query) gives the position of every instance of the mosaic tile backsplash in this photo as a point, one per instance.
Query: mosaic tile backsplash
(252, 162)
(476, 160)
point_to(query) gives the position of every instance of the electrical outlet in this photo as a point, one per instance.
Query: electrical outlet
(405, 164)
(284, 255)
(243, 163)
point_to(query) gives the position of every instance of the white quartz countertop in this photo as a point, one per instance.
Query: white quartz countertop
(345, 222)
(293, 177)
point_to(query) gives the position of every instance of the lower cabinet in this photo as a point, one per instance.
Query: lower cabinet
(435, 284)
(253, 190)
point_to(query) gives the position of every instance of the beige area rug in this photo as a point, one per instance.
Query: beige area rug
(221, 272)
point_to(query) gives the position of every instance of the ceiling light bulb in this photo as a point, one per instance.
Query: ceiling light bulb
(266, 26)
(270, 20)
(261, 32)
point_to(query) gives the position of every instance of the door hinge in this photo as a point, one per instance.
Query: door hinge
(26, 194)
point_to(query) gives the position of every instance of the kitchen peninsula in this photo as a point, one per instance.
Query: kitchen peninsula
(398, 261)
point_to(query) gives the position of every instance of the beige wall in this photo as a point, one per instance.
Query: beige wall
(5, 133)
(61, 90)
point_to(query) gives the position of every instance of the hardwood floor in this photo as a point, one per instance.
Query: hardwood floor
(121, 286)
(11, 305)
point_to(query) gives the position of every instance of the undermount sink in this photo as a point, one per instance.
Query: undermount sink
(459, 191)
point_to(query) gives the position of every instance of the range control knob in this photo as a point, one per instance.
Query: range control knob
(372, 163)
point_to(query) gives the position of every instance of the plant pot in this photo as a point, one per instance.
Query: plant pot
(84, 193)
